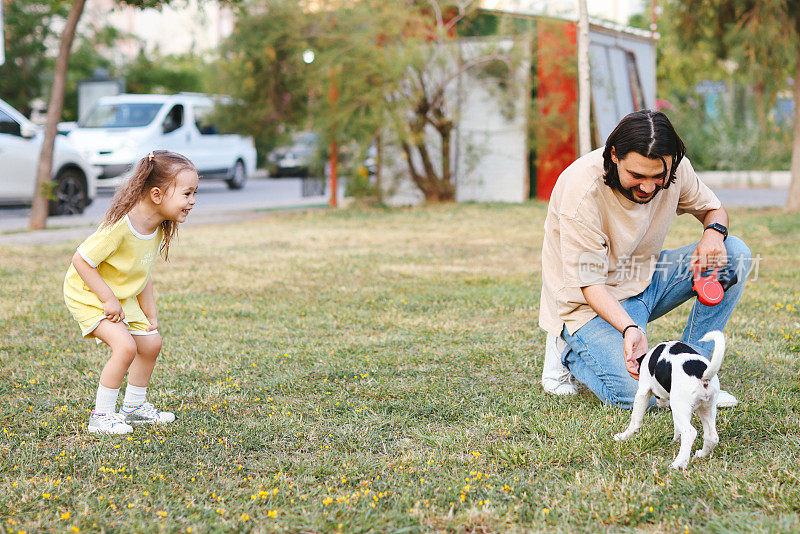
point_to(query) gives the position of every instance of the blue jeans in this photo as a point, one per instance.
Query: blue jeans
(594, 353)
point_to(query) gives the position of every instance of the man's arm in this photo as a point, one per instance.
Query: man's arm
(711, 251)
(609, 308)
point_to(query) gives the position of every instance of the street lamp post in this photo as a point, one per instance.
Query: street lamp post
(333, 96)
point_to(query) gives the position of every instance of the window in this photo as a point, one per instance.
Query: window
(202, 119)
(9, 126)
(120, 115)
(174, 119)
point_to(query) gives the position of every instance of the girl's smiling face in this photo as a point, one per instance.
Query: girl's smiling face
(179, 200)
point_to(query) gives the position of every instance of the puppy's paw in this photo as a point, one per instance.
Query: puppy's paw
(680, 464)
(622, 436)
(702, 454)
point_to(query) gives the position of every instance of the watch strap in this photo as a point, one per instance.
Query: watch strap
(625, 330)
(717, 227)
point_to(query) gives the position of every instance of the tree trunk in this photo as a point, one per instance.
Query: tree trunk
(42, 192)
(447, 188)
(793, 204)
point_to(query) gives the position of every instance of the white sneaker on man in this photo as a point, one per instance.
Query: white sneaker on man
(145, 413)
(726, 400)
(556, 379)
(107, 423)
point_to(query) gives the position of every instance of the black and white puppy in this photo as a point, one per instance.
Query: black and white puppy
(676, 374)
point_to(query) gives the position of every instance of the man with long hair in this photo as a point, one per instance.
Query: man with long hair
(604, 273)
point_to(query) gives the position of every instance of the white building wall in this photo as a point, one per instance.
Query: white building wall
(619, 11)
(190, 26)
(492, 162)
(489, 143)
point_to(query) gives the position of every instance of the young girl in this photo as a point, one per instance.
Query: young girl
(109, 291)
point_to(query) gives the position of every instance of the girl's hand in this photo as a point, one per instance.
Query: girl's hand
(113, 310)
(153, 324)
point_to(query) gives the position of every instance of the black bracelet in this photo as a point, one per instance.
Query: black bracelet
(626, 329)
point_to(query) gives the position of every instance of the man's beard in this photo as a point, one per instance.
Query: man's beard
(630, 195)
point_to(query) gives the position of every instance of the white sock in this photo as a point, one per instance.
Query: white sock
(134, 396)
(106, 400)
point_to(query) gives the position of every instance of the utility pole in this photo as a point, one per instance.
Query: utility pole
(654, 16)
(333, 96)
(584, 86)
(2, 36)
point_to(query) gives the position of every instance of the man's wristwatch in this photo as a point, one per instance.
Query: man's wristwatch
(719, 228)
(625, 330)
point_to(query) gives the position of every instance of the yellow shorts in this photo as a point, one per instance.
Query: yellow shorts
(89, 317)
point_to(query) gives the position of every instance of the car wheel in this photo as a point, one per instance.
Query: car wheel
(70, 193)
(238, 177)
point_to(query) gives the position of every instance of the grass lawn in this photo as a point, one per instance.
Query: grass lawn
(379, 371)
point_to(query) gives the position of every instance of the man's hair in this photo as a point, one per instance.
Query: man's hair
(648, 133)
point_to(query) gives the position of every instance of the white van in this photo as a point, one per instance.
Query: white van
(20, 147)
(119, 130)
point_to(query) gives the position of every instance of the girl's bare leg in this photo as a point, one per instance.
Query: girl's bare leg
(123, 352)
(147, 351)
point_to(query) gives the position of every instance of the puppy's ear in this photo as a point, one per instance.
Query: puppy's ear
(640, 359)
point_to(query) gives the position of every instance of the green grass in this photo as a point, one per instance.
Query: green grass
(379, 371)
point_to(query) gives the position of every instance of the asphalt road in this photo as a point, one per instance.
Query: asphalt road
(212, 197)
(218, 204)
(215, 204)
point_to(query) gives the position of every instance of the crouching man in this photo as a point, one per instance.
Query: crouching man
(604, 273)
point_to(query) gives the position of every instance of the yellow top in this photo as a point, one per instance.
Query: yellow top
(121, 255)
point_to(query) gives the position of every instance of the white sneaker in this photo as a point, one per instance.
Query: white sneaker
(107, 423)
(145, 413)
(556, 379)
(726, 400)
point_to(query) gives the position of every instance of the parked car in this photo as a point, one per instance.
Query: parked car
(20, 147)
(306, 156)
(298, 158)
(121, 129)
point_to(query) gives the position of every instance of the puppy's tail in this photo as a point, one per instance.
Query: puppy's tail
(719, 352)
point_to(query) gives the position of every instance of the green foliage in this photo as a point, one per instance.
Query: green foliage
(28, 27)
(732, 141)
(27, 72)
(84, 61)
(752, 46)
(378, 66)
(261, 67)
(154, 73)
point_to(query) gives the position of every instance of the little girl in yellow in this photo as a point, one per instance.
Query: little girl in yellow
(109, 291)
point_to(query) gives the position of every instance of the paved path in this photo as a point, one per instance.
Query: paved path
(216, 204)
(752, 198)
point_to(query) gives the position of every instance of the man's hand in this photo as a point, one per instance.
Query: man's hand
(710, 252)
(634, 345)
(112, 309)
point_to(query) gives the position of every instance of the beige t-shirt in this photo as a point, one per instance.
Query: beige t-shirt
(594, 235)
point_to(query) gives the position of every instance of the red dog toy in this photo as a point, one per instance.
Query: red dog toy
(709, 290)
